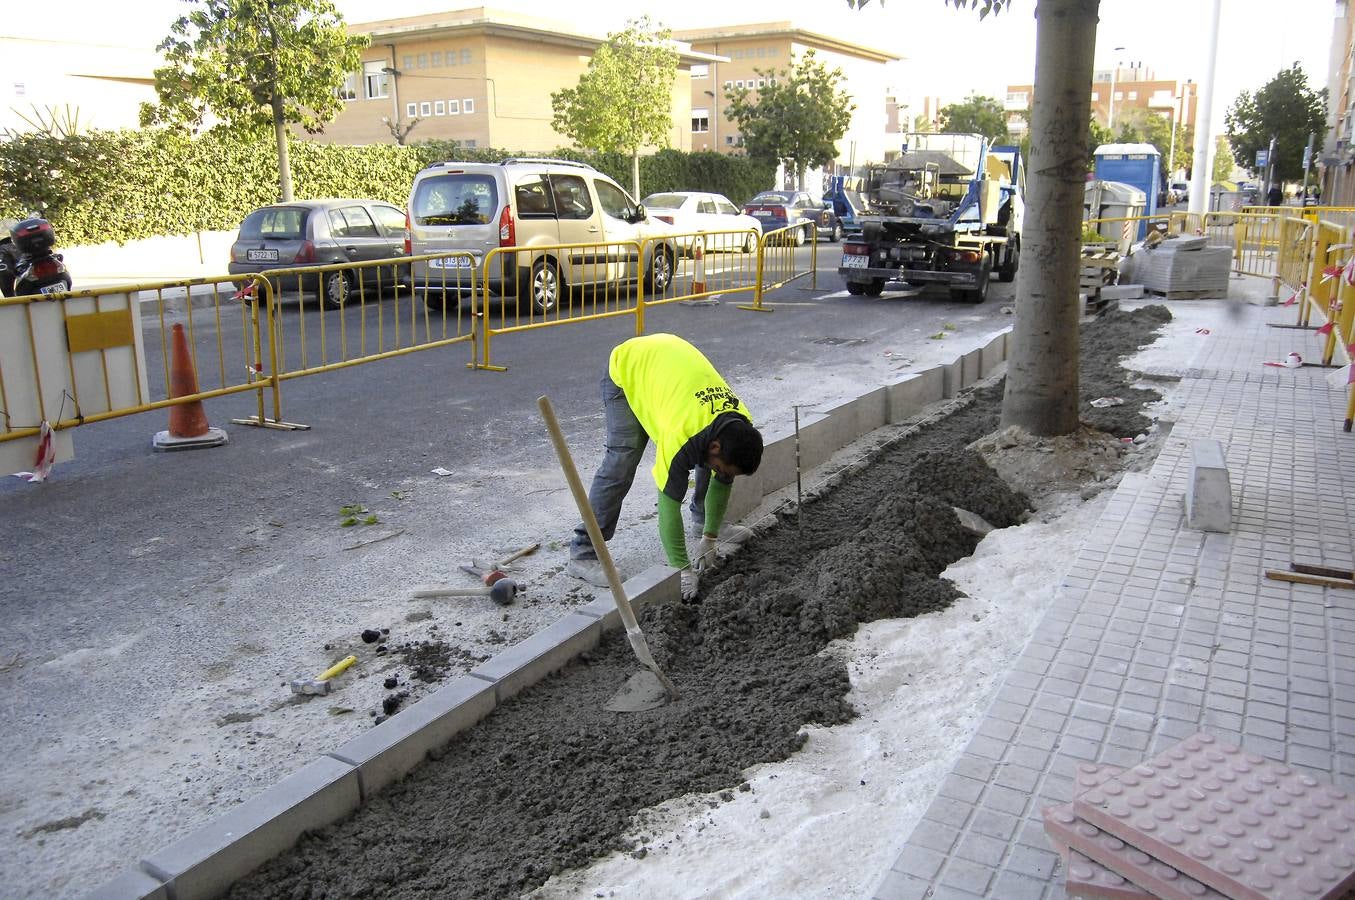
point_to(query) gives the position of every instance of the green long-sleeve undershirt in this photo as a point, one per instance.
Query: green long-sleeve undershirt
(670, 521)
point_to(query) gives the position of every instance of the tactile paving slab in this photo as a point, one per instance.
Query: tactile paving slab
(1102, 866)
(1251, 828)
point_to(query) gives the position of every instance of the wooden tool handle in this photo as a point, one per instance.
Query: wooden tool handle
(590, 521)
(517, 554)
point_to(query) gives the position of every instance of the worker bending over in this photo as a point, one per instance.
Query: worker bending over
(662, 388)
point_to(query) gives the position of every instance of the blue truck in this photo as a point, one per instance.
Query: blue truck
(947, 211)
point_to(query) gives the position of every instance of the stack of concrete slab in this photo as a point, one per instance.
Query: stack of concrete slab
(1180, 268)
(1205, 820)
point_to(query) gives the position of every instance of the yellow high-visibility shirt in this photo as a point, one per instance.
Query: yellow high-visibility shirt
(677, 395)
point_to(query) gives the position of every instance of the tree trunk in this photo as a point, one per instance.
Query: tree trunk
(1042, 378)
(635, 173)
(800, 176)
(284, 161)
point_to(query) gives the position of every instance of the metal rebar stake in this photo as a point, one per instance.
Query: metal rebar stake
(798, 500)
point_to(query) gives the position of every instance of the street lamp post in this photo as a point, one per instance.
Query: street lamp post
(1110, 110)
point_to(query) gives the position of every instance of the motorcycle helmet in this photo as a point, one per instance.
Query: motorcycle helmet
(33, 236)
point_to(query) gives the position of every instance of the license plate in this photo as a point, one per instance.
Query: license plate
(761, 213)
(855, 262)
(455, 262)
(52, 289)
(261, 255)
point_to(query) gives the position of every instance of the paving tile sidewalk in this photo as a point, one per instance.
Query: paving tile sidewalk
(1159, 631)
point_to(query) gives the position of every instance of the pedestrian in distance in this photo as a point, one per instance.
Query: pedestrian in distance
(1275, 196)
(659, 387)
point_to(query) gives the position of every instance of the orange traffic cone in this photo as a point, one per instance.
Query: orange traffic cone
(699, 257)
(188, 428)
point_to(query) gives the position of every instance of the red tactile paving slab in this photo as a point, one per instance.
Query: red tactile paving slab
(1251, 828)
(1102, 866)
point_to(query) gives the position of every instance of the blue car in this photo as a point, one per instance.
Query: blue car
(777, 209)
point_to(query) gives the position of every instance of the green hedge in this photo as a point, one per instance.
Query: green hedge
(125, 185)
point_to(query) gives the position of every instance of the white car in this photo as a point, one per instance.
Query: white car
(691, 211)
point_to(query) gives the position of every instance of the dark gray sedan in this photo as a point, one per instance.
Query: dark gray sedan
(319, 233)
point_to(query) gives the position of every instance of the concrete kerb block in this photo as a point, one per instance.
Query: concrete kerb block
(912, 393)
(992, 354)
(778, 462)
(817, 439)
(205, 863)
(952, 378)
(1209, 494)
(657, 584)
(872, 410)
(527, 662)
(131, 885)
(388, 752)
(971, 367)
(745, 496)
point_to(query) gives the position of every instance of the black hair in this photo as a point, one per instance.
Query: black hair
(741, 445)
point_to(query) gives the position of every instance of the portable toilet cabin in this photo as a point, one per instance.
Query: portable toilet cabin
(1135, 164)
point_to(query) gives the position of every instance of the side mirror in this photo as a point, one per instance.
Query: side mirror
(640, 215)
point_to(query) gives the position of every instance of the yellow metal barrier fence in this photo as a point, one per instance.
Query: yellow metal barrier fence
(712, 264)
(776, 265)
(553, 284)
(105, 333)
(365, 311)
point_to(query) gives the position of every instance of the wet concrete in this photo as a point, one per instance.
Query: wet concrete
(550, 780)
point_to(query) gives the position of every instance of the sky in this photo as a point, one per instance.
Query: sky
(949, 53)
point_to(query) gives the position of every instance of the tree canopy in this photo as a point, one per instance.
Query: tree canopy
(797, 118)
(255, 65)
(977, 115)
(624, 102)
(1284, 108)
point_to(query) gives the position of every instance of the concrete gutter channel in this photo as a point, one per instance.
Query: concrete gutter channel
(205, 863)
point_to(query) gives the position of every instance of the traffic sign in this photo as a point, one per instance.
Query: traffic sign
(1262, 157)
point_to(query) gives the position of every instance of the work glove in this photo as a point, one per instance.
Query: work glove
(705, 554)
(690, 580)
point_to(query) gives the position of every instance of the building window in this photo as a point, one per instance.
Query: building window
(737, 54)
(412, 110)
(465, 57)
(469, 145)
(739, 85)
(729, 85)
(700, 121)
(468, 106)
(761, 83)
(375, 78)
(349, 89)
(1119, 95)
(425, 108)
(407, 63)
(771, 51)
(436, 60)
(451, 56)
(422, 61)
(761, 52)
(700, 71)
(729, 139)
(1133, 95)
(453, 107)
(439, 108)
(771, 82)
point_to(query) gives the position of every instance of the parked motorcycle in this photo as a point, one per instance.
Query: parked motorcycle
(27, 263)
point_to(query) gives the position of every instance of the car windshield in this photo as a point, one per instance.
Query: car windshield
(663, 201)
(771, 198)
(279, 223)
(455, 199)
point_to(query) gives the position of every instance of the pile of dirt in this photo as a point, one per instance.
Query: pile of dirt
(551, 781)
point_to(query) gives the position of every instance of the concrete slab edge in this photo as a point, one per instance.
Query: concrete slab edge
(206, 862)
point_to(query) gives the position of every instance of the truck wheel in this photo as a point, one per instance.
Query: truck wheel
(1006, 272)
(876, 287)
(856, 288)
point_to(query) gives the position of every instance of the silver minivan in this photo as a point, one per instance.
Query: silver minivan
(480, 207)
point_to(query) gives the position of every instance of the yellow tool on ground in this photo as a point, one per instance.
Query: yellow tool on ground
(321, 684)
